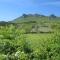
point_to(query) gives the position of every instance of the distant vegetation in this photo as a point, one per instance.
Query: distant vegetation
(30, 37)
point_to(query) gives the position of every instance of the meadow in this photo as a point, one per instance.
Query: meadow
(32, 40)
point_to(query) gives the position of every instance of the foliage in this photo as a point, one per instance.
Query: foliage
(17, 44)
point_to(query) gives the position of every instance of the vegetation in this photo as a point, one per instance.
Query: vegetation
(34, 38)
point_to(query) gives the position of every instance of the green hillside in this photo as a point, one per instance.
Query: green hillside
(37, 18)
(37, 23)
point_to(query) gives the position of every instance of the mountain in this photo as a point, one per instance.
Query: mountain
(36, 18)
(35, 23)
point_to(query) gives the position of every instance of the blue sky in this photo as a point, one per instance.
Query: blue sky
(11, 9)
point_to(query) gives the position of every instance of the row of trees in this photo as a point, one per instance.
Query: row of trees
(38, 15)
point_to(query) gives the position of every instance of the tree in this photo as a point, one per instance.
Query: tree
(53, 16)
(25, 15)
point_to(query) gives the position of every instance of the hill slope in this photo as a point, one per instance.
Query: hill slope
(37, 23)
(36, 18)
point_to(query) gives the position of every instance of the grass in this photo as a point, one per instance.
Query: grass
(37, 39)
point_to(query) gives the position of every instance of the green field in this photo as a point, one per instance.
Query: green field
(30, 38)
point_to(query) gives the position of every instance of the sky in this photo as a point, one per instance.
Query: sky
(11, 9)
